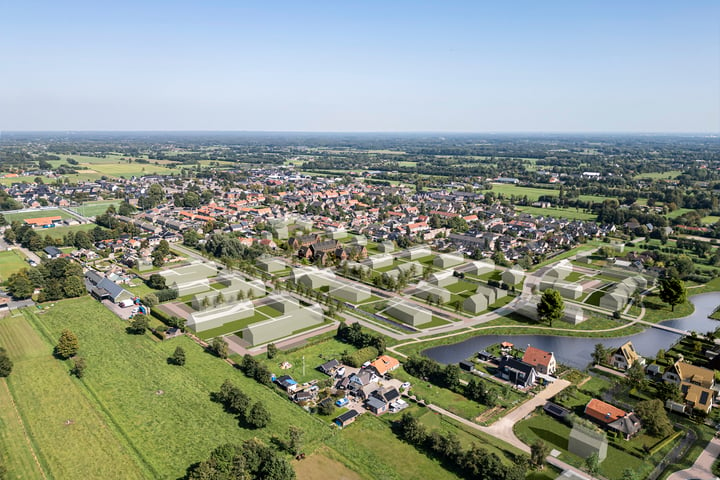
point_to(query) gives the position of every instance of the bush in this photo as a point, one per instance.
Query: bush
(166, 295)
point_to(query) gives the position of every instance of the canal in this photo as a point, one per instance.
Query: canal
(576, 351)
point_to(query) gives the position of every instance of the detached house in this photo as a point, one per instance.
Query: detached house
(520, 373)
(696, 384)
(613, 418)
(625, 356)
(543, 362)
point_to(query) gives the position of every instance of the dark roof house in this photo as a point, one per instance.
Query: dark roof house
(517, 371)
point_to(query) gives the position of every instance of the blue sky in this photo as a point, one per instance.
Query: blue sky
(396, 66)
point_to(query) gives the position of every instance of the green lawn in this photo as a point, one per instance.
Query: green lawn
(60, 232)
(10, 217)
(92, 209)
(442, 397)
(10, 262)
(534, 194)
(679, 212)
(311, 355)
(159, 408)
(710, 219)
(556, 434)
(68, 434)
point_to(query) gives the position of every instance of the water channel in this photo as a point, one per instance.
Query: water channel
(576, 351)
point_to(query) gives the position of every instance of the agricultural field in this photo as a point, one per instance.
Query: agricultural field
(10, 262)
(153, 407)
(55, 420)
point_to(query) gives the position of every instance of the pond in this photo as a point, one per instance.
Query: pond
(576, 351)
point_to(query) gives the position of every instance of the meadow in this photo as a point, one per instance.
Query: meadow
(151, 406)
(10, 262)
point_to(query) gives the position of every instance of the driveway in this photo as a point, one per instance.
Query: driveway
(503, 428)
(702, 468)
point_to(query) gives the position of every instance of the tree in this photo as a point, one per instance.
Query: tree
(178, 357)
(629, 474)
(158, 259)
(20, 286)
(6, 365)
(220, 347)
(668, 391)
(295, 439)
(326, 407)
(139, 324)
(551, 306)
(73, 286)
(150, 300)
(258, 416)
(68, 345)
(156, 281)
(79, 367)
(538, 452)
(635, 374)
(599, 354)
(672, 291)
(272, 350)
(592, 464)
(654, 418)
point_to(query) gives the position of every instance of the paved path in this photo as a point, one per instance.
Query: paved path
(503, 428)
(702, 468)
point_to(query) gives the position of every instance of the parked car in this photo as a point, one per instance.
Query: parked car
(342, 402)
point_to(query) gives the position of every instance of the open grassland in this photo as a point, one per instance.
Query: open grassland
(319, 466)
(20, 216)
(10, 262)
(69, 436)
(679, 212)
(710, 219)
(371, 449)
(159, 408)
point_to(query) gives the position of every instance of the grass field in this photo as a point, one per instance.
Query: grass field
(710, 219)
(370, 449)
(60, 232)
(669, 175)
(10, 262)
(534, 194)
(10, 217)
(62, 423)
(569, 213)
(158, 408)
(92, 209)
(678, 212)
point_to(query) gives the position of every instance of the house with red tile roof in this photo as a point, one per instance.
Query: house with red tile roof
(613, 418)
(384, 364)
(544, 362)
